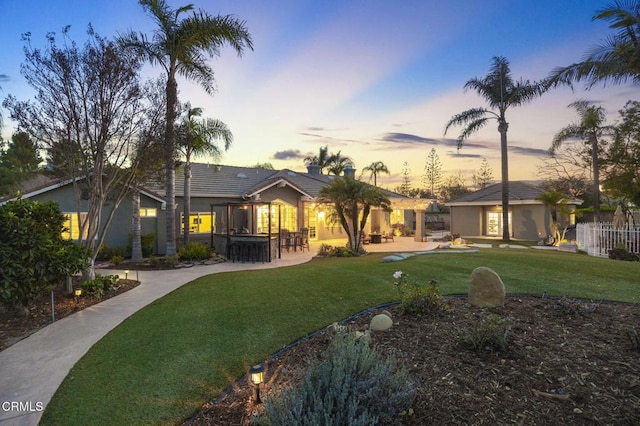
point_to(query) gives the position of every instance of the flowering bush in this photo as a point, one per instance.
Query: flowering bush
(417, 299)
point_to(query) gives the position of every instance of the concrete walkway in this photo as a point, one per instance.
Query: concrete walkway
(32, 370)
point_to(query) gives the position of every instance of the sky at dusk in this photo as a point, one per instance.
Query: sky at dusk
(376, 80)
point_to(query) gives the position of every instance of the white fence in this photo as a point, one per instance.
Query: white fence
(598, 238)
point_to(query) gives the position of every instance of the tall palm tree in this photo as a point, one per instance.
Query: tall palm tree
(617, 58)
(590, 129)
(322, 160)
(375, 169)
(197, 138)
(181, 46)
(501, 92)
(337, 163)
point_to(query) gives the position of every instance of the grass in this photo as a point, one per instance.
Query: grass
(164, 362)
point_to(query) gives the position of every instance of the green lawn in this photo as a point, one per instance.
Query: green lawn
(164, 362)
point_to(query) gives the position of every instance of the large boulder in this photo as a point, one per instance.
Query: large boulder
(486, 289)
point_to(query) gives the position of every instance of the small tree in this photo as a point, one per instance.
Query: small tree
(432, 171)
(352, 201)
(556, 202)
(91, 127)
(484, 176)
(405, 186)
(18, 161)
(33, 255)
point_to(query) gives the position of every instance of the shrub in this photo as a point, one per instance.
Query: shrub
(99, 285)
(570, 306)
(116, 260)
(107, 252)
(621, 253)
(327, 250)
(353, 385)
(33, 255)
(417, 299)
(489, 333)
(146, 241)
(194, 251)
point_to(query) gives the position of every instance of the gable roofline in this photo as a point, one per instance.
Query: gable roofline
(520, 193)
(59, 183)
(281, 183)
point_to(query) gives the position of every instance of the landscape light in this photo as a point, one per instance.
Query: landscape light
(126, 274)
(256, 375)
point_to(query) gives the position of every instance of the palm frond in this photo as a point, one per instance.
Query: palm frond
(468, 116)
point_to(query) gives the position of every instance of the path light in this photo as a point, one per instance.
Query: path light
(126, 274)
(77, 292)
(256, 374)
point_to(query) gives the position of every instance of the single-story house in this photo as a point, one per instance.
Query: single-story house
(479, 213)
(229, 199)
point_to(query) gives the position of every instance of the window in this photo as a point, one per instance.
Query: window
(288, 220)
(494, 223)
(200, 223)
(148, 212)
(72, 226)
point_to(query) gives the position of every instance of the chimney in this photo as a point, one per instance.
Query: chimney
(313, 169)
(349, 171)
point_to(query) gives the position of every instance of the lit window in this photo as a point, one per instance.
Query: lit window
(148, 212)
(72, 224)
(200, 223)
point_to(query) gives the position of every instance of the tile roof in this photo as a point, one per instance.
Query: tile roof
(492, 194)
(215, 180)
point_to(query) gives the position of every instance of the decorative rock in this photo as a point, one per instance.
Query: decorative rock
(486, 289)
(568, 247)
(387, 313)
(380, 322)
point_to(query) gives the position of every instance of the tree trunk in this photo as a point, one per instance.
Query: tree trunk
(170, 171)
(502, 128)
(136, 240)
(596, 178)
(187, 201)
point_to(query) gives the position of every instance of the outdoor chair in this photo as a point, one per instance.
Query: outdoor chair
(364, 238)
(285, 239)
(304, 239)
(387, 235)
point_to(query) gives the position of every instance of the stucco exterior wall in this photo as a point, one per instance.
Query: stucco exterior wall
(467, 220)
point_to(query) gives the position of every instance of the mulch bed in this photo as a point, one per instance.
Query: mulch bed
(14, 328)
(567, 362)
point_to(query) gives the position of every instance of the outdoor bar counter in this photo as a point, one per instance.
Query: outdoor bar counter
(246, 247)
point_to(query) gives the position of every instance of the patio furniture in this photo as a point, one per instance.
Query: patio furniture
(364, 237)
(304, 239)
(387, 235)
(376, 238)
(285, 239)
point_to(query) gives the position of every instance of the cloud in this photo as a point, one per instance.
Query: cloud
(455, 154)
(535, 152)
(408, 138)
(288, 154)
(4, 77)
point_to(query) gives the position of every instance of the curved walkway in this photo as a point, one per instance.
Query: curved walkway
(32, 369)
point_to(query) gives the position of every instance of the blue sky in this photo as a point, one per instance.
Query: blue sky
(376, 80)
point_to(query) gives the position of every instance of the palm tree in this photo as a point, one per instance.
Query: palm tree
(337, 163)
(375, 169)
(321, 160)
(181, 46)
(501, 92)
(197, 138)
(617, 58)
(552, 199)
(352, 201)
(590, 129)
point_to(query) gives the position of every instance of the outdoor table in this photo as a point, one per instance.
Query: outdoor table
(376, 238)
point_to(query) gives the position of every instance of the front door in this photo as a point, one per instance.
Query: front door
(494, 224)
